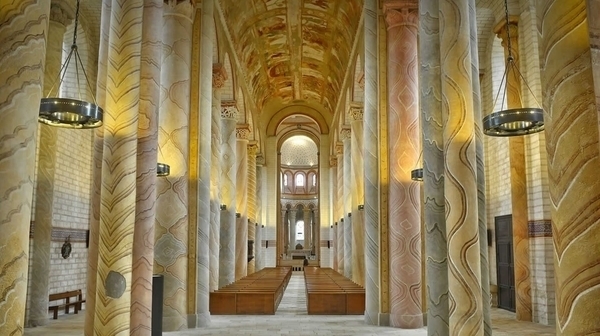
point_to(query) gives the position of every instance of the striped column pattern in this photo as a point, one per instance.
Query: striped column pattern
(460, 179)
(260, 208)
(119, 166)
(90, 304)
(147, 150)
(171, 235)
(358, 193)
(404, 147)
(480, 159)
(340, 207)
(333, 207)
(22, 52)
(205, 12)
(252, 218)
(219, 77)
(345, 136)
(229, 114)
(371, 163)
(593, 6)
(573, 159)
(242, 135)
(44, 195)
(433, 169)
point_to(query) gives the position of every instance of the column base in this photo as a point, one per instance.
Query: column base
(407, 321)
(203, 319)
(376, 318)
(174, 323)
(32, 323)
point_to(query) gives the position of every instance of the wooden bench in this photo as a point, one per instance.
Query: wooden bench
(67, 303)
(257, 294)
(330, 293)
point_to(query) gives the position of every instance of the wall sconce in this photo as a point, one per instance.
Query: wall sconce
(238, 215)
(262, 226)
(349, 214)
(223, 207)
(162, 169)
(329, 244)
(361, 207)
(266, 244)
(331, 227)
(416, 174)
(341, 220)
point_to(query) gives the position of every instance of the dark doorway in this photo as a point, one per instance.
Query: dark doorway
(505, 268)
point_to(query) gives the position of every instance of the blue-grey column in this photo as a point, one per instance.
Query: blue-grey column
(433, 169)
(219, 77)
(358, 194)
(260, 208)
(241, 226)
(340, 207)
(292, 221)
(23, 31)
(345, 136)
(371, 165)
(229, 114)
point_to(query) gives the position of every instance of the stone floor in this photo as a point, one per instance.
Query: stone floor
(291, 319)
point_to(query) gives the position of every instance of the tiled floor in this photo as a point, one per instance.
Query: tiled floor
(291, 319)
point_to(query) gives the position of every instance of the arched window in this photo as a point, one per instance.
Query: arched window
(314, 180)
(285, 180)
(299, 180)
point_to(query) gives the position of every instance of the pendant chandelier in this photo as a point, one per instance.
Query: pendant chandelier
(67, 112)
(417, 173)
(518, 121)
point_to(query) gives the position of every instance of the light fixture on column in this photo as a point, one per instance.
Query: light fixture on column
(68, 112)
(163, 169)
(518, 121)
(416, 174)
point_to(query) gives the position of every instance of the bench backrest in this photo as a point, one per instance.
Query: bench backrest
(64, 295)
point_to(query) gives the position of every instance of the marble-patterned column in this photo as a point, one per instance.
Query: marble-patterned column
(252, 218)
(333, 207)
(307, 226)
(572, 137)
(345, 136)
(358, 193)
(340, 207)
(404, 148)
(292, 228)
(98, 147)
(229, 114)
(433, 169)
(460, 180)
(22, 56)
(373, 311)
(593, 7)
(260, 193)
(60, 17)
(285, 231)
(172, 220)
(241, 233)
(147, 151)
(219, 76)
(119, 177)
(203, 30)
(518, 181)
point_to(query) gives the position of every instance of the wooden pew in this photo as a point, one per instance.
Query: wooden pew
(67, 303)
(257, 294)
(330, 293)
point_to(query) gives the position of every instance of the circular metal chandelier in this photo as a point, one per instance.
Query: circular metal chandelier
(517, 121)
(163, 169)
(68, 112)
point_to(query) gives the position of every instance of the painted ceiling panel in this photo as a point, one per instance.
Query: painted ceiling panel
(293, 49)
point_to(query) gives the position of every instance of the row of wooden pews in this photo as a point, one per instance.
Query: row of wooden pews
(257, 294)
(330, 293)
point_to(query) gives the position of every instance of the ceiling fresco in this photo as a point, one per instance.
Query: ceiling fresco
(293, 50)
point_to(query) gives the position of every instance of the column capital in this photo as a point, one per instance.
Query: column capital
(260, 159)
(229, 110)
(61, 12)
(182, 8)
(339, 148)
(333, 161)
(401, 13)
(252, 148)
(355, 111)
(345, 134)
(242, 132)
(219, 75)
(500, 27)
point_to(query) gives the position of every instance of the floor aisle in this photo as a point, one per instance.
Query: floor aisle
(291, 319)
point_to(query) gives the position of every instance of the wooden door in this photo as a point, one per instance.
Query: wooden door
(505, 263)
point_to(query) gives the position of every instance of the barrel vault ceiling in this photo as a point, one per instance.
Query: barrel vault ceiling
(293, 51)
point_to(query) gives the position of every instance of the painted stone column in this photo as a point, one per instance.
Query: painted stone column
(404, 148)
(252, 219)
(571, 120)
(219, 77)
(241, 235)
(147, 151)
(307, 226)
(433, 169)
(593, 6)
(229, 114)
(460, 180)
(358, 193)
(518, 181)
(22, 56)
(92, 262)
(340, 207)
(286, 229)
(260, 193)
(345, 136)
(292, 230)
(203, 29)
(171, 235)
(44, 195)
(119, 178)
(373, 311)
(333, 207)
